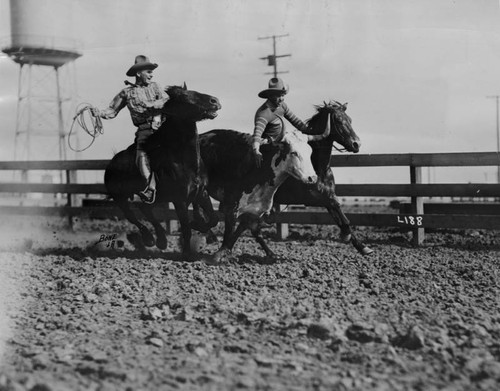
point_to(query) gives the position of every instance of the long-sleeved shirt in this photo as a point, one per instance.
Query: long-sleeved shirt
(141, 102)
(269, 122)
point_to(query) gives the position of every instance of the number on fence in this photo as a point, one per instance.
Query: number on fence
(414, 221)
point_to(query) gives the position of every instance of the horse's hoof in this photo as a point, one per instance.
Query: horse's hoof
(366, 251)
(216, 259)
(136, 241)
(147, 238)
(346, 238)
(222, 255)
(212, 261)
(161, 242)
(148, 242)
(270, 259)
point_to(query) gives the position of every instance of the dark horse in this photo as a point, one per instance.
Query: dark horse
(323, 193)
(292, 191)
(175, 159)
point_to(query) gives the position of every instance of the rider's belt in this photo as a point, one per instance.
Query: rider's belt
(151, 123)
(144, 126)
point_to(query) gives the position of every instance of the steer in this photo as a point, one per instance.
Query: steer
(292, 159)
(245, 191)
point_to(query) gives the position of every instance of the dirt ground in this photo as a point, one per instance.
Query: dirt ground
(83, 310)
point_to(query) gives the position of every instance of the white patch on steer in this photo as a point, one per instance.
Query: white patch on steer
(297, 164)
(303, 168)
(258, 202)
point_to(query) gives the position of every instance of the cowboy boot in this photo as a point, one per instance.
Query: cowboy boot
(148, 195)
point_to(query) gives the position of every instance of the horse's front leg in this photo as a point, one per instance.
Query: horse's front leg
(204, 213)
(325, 191)
(255, 228)
(225, 252)
(230, 212)
(181, 208)
(344, 224)
(333, 208)
(161, 234)
(146, 236)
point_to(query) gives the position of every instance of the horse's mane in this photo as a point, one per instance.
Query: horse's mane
(329, 107)
(315, 122)
(174, 91)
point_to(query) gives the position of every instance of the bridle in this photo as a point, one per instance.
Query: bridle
(333, 125)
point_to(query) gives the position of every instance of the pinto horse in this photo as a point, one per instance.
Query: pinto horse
(292, 191)
(175, 159)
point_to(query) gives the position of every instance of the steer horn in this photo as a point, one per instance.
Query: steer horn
(322, 136)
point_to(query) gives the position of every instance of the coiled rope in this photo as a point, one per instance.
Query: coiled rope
(95, 130)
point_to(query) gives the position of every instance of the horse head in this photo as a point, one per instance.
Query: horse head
(190, 105)
(340, 124)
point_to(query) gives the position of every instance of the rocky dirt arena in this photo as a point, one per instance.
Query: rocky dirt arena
(76, 314)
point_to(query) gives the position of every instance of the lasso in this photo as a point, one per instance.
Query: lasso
(79, 118)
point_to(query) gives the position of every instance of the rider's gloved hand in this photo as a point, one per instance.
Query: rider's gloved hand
(95, 112)
(258, 157)
(256, 153)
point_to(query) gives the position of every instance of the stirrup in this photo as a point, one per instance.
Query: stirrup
(148, 195)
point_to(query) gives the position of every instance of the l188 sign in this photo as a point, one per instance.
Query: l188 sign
(414, 221)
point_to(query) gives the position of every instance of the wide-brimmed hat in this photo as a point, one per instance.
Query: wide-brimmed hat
(141, 63)
(276, 86)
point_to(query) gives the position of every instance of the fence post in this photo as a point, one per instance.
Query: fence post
(281, 228)
(417, 205)
(69, 198)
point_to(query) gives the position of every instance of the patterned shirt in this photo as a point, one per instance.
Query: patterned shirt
(269, 122)
(139, 100)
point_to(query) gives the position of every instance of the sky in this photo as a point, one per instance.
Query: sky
(416, 74)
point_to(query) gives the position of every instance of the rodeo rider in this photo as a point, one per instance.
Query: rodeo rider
(269, 121)
(144, 100)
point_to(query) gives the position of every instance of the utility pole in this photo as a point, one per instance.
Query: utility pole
(497, 100)
(271, 59)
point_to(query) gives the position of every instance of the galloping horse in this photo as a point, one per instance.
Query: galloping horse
(175, 158)
(292, 191)
(323, 194)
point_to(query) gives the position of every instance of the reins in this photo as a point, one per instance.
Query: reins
(95, 130)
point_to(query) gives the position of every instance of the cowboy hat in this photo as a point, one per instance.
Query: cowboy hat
(276, 86)
(141, 63)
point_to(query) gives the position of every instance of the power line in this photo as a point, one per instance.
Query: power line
(272, 58)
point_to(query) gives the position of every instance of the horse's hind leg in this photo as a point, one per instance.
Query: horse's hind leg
(200, 222)
(227, 246)
(340, 219)
(161, 234)
(231, 234)
(181, 208)
(257, 234)
(146, 236)
(204, 213)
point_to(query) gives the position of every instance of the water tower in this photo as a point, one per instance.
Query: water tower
(42, 45)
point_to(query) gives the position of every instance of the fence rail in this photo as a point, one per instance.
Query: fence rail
(412, 217)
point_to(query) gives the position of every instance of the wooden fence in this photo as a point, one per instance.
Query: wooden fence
(413, 217)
